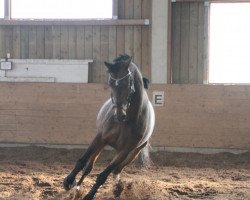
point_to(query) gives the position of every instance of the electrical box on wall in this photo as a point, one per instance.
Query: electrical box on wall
(6, 65)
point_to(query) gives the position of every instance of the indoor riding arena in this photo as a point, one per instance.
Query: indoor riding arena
(64, 61)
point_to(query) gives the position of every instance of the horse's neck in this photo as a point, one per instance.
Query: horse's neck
(137, 99)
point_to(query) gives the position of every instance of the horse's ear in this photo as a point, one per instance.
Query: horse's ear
(131, 58)
(108, 65)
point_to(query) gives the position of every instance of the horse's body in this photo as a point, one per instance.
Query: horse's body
(125, 122)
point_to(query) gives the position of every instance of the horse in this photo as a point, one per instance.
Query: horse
(125, 122)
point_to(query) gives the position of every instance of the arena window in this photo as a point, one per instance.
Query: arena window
(61, 9)
(229, 45)
(1, 8)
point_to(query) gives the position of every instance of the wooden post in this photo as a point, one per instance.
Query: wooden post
(169, 44)
(159, 60)
(206, 43)
(115, 9)
(6, 9)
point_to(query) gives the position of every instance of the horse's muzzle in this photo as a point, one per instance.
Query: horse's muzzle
(120, 115)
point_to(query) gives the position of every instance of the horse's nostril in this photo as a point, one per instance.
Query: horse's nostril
(120, 114)
(123, 117)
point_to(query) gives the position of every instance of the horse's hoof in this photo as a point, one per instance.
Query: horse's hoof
(119, 187)
(68, 183)
(88, 197)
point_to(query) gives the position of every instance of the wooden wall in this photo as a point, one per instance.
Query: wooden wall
(188, 42)
(210, 116)
(100, 43)
(195, 115)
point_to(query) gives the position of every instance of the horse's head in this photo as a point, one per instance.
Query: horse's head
(122, 85)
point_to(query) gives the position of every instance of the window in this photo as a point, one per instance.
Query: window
(229, 45)
(1, 8)
(61, 9)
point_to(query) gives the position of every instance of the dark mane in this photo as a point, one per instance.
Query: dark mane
(121, 59)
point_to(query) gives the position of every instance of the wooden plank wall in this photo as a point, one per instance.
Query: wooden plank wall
(100, 43)
(210, 116)
(200, 115)
(188, 42)
(54, 113)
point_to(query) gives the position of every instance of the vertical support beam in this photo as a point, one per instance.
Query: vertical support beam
(6, 9)
(200, 70)
(159, 41)
(176, 42)
(184, 45)
(146, 39)
(115, 9)
(206, 42)
(169, 43)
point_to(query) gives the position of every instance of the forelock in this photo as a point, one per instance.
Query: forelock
(121, 59)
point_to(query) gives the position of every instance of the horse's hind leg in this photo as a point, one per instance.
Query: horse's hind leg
(102, 177)
(69, 181)
(130, 158)
(145, 158)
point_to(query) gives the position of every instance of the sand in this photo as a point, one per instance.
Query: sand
(38, 172)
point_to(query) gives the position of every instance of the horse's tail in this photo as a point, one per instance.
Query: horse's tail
(145, 156)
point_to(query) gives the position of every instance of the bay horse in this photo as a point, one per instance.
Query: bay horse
(125, 122)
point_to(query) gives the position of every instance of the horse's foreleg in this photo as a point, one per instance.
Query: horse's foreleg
(69, 181)
(102, 177)
(89, 166)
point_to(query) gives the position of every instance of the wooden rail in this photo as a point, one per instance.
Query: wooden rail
(108, 22)
(213, 1)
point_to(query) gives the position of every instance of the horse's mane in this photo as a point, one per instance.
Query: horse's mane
(122, 58)
(145, 82)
